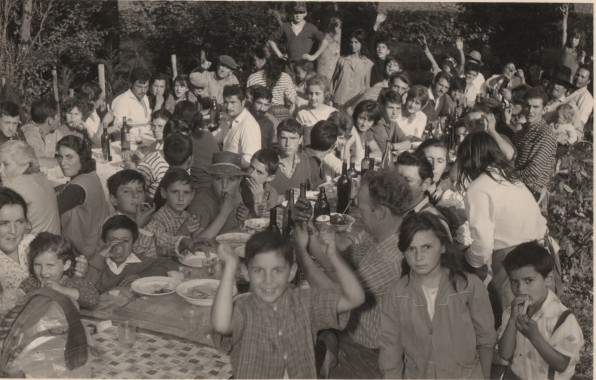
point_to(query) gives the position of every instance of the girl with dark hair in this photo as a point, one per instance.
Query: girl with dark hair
(436, 152)
(573, 52)
(179, 93)
(501, 211)
(75, 112)
(366, 114)
(273, 77)
(82, 202)
(352, 73)
(453, 336)
(159, 90)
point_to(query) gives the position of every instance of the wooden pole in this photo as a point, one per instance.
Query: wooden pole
(101, 74)
(174, 66)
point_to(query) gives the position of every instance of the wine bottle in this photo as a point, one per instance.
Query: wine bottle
(303, 200)
(344, 189)
(366, 164)
(125, 135)
(387, 160)
(273, 228)
(213, 116)
(287, 219)
(105, 145)
(322, 206)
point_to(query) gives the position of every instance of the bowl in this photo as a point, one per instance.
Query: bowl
(256, 224)
(349, 220)
(198, 259)
(199, 292)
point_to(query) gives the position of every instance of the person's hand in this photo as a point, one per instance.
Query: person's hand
(327, 241)
(227, 205)
(507, 113)
(517, 306)
(459, 43)
(242, 213)
(302, 234)
(144, 213)
(226, 254)
(284, 56)
(159, 99)
(129, 280)
(381, 17)
(422, 40)
(81, 266)
(193, 224)
(53, 285)
(527, 326)
(564, 9)
(309, 57)
(302, 210)
(104, 250)
(491, 123)
(108, 119)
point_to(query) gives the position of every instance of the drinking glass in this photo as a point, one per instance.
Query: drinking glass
(127, 334)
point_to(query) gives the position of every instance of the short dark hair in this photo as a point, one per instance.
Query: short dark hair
(343, 120)
(185, 110)
(176, 126)
(79, 103)
(265, 241)
(389, 96)
(323, 135)
(443, 75)
(83, 148)
(418, 92)
(425, 169)
(388, 188)
(175, 175)
(41, 109)
(183, 79)
(586, 67)
(537, 92)
(161, 114)
(120, 222)
(139, 74)
(290, 125)
(8, 108)
(48, 242)
(383, 38)
(124, 177)
(91, 91)
(529, 254)
(9, 197)
(471, 66)
(177, 149)
(432, 143)
(260, 92)
(305, 65)
(268, 158)
(164, 77)
(401, 76)
(368, 107)
(234, 90)
(458, 84)
(518, 93)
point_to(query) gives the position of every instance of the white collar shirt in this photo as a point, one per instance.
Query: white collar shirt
(244, 136)
(117, 269)
(137, 113)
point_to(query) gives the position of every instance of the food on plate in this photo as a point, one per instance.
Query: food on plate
(202, 291)
(162, 291)
(339, 219)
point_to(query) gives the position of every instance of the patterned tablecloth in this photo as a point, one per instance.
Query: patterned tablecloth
(155, 356)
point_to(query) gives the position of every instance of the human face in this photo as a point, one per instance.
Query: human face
(12, 227)
(48, 266)
(413, 105)
(424, 254)
(368, 211)
(440, 87)
(139, 89)
(382, 51)
(475, 122)
(582, 78)
(300, 74)
(261, 106)
(557, 91)
(391, 111)
(392, 67)
(178, 196)
(158, 87)
(223, 71)
(399, 86)
(233, 105)
(269, 275)
(363, 123)
(74, 117)
(289, 142)
(123, 237)
(355, 45)
(527, 281)
(180, 90)
(69, 161)
(8, 125)
(316, 96)
(9, 168)
(574, 41)
(258, 171)
(457, 95)
(157, 126)
(412, 177)
(225, 184)
(297, 18)
(438, 159)
(128, 196)
(259, 62)
(533, 110)
(470, 76)
(509, 70)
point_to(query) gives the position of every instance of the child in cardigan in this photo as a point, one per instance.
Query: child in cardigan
(52, 264)
(271, 331)
(453, 335)
(318, 92)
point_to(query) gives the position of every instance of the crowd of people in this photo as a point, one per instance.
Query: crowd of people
(453, 274)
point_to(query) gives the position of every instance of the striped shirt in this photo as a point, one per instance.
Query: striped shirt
(377, 265)
(536, 146)
(282, 91)
(153, 168)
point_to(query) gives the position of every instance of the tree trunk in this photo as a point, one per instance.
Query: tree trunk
(26, 23)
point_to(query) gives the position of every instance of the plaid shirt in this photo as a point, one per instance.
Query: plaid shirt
(536, 146)
(165, 224)
(269, 339)
(377, 265)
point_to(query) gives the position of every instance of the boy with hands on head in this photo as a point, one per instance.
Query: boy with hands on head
(283, 315)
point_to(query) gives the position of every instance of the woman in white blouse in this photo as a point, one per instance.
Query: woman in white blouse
(412, 120)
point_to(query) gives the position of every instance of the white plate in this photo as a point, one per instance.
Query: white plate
(198, 259)
(312, 195)
(148, 286)
(235, 239)
(210, 285)
(256, 224)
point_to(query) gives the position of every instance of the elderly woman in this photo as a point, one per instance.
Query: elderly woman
(19, 170)
(82, 203)
(14, 249)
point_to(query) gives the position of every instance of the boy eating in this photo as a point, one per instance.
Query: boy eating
(271, 331)
(539, 336)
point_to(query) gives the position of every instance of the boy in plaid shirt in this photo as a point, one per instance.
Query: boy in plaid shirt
(271, 331)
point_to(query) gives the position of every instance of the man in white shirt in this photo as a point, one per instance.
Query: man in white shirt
(581, 97)
(244, 136)
(134, 104)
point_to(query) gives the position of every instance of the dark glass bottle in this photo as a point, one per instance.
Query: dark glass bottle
(105, 145)
(344, 189)
(304, 202)
(287, 219)
(367, 162)
(322, 206)
(273, 228)
(125, 135)
(387, 159)
(213, 115)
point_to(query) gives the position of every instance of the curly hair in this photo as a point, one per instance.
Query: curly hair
(388, 188)
(82, 148)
